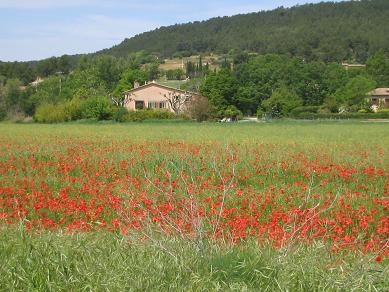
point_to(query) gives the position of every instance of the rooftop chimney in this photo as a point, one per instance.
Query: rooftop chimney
(136, 84)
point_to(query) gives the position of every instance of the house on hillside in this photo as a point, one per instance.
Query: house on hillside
(379, 98)
(156, 96)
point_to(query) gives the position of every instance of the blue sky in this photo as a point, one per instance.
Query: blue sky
(36, 29)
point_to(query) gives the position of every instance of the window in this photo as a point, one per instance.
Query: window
(139, 104)
(157, 104)
(152, 104)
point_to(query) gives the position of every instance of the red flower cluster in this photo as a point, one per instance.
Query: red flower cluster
(265, 192)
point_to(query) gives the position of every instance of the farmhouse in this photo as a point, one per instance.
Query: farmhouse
(379, 97)
(156, 96)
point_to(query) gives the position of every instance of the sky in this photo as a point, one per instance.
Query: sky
(38, 29)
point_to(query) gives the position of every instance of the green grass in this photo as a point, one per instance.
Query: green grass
(109, 262)
(172, 83)
(293, 133)
(41, 260)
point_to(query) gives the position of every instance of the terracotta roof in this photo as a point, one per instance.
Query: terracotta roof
(380, 92)
(161, 86)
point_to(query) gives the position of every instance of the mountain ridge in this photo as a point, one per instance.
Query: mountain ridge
(328, 31)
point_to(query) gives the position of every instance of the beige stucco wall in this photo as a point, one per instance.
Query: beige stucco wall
(150, 94)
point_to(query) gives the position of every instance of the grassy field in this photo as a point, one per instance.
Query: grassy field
(287, 206)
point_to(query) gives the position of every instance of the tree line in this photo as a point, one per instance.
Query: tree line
(245, 83)
(277, 84)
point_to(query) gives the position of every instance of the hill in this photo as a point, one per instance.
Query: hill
(327, 31)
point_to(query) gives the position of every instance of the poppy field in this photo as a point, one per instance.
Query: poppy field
(206, 190)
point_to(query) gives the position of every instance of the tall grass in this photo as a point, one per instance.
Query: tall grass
(54, 261)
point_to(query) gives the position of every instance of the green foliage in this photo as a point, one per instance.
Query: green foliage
(220, 88)
(84, 83)
(304, 109)
(3, 113)
(232, 112)
(46, 92)
(378, 68)
(355, 91)
(88, 261)
(108, 69)
(54, 65)
(200, 109)
(343, 116)
(353, 31)
(247, 98)
(142, 115)
(175, 74)
(97, 108)
(260, 113)
(282, 102)
(73, 109)
(127, 80)
(70, 110)
(23, 71)
(120, 114)
(152, 71)
(12, 93)
(50, 113)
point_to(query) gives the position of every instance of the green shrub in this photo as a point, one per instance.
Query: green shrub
(260, 113)
(383, 110)
(50, 113)
(345, 116)
(232, 112)
(282, 101)
(3, 113)
(120, 114)
(304, 109)
(73, 109)
(142, 115)
(97, 108)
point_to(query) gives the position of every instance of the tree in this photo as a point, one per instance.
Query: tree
(13, 93)
(355, 91)
(378, 68)
(152, 71)
(248, 98)
(220, 88)
(200, 109)
(178, 100)
(281, 102)
(127, 80)
(108, 70)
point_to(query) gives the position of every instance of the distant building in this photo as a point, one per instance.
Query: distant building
(379, 98)
(36, 82)
(156, 96)
(353, 66)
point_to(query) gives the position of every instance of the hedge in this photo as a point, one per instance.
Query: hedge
(343, 116)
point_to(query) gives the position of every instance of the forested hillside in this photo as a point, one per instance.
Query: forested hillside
(352, 31)
(281, 63)
(349, 31)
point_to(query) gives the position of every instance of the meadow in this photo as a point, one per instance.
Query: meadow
(276, 206)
